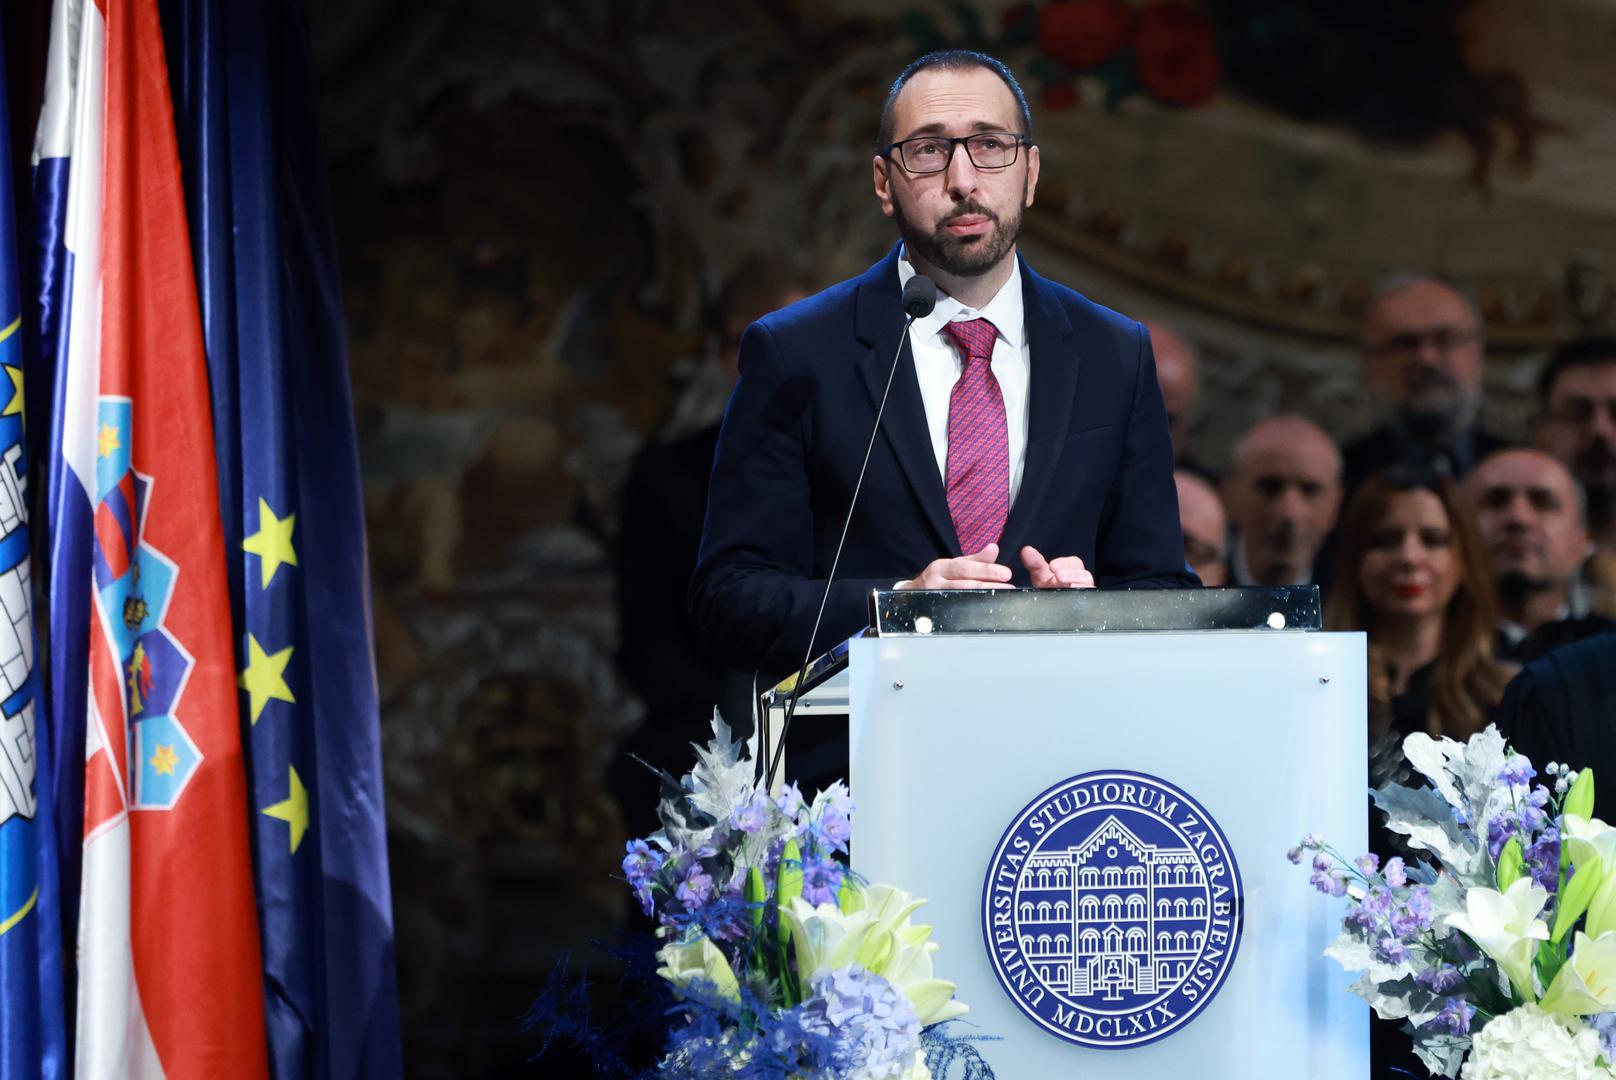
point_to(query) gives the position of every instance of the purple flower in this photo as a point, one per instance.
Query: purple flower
(1455, 1016)
(1542, 860)
(695, 889)
(1396, 874)
(790, 801)
(1440, 979)
(1414, 916)
(1327, 883)
(640, 866)
(1321, 863)
(1363, 919)
(1499, 830)
(1391, 950)
(1367, 864)
(836, 827)
(754, 815)
(1379, 902)
(1312, 841)
(820, 880)
(1295, 856)
(1517, 770)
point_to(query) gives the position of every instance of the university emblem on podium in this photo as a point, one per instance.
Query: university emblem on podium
(1112, 909)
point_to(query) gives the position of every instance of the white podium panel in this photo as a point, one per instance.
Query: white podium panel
(1219, 751)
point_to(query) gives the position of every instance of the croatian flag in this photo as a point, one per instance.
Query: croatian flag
(143, 683)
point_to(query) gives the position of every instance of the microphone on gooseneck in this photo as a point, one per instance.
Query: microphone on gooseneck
(919, 298)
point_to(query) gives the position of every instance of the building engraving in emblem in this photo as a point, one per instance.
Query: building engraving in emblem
(1113, 914)
(1111, 909)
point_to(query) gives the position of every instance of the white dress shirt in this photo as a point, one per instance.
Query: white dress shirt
(938, 364)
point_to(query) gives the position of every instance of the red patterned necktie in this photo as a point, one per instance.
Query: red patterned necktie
(978, 472)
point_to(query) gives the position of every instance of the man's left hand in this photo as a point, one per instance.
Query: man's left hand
(1066, 572)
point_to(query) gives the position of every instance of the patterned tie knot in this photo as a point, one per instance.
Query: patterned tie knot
(974, 338)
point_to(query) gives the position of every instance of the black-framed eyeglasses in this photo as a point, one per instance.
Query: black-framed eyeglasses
(932, 153)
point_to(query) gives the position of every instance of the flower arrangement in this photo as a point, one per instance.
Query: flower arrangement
(785, 964)
(1499, 951)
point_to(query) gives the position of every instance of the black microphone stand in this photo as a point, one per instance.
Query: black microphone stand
(919, 297)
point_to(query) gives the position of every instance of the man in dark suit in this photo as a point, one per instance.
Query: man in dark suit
(1023, 418)
(1562, 707)
(1423, 357)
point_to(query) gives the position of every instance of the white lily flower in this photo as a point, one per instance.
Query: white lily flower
(878, 936)
(699, 958)
(1590, 839)
(1505, 926)
(1587, 983)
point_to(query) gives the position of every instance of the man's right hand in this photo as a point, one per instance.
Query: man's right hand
(978, 571)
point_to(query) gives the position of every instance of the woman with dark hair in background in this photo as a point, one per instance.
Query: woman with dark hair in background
(1412, 574)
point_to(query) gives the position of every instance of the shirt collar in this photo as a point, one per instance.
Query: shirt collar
(1005, 311)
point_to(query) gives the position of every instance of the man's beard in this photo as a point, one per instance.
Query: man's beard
(1516, 587)
(1436, 422)
(961, 256)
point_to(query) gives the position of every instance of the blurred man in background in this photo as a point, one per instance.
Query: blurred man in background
(663, 504)
(1178, 370)
(1423, 354)
(1283, 493)
(1577, 424)
(1206, 529)
(1529, 511)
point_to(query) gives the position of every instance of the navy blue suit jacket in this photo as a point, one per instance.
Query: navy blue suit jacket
(1097, 482)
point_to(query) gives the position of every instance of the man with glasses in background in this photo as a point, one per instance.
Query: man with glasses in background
(1576, 423)
(1423, 354)
(1024, 441)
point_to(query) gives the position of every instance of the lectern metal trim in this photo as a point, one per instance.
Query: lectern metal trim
(1062, 611)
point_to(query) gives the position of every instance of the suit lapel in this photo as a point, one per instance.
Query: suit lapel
(1054, 349)
(880, 323)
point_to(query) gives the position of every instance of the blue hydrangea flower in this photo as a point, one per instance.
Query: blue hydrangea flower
(1605, 1024)
(875, 1027)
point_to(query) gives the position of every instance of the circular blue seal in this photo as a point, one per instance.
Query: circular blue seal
(1112, 909)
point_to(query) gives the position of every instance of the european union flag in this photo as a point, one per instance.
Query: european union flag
(290, 494)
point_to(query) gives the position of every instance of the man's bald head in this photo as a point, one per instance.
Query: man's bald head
(1282, 494)
(1206, 530)
(1178, 369)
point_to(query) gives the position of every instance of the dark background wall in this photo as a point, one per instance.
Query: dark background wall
(537, 202)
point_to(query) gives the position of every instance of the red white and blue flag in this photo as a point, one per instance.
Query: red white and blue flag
(142, 667)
